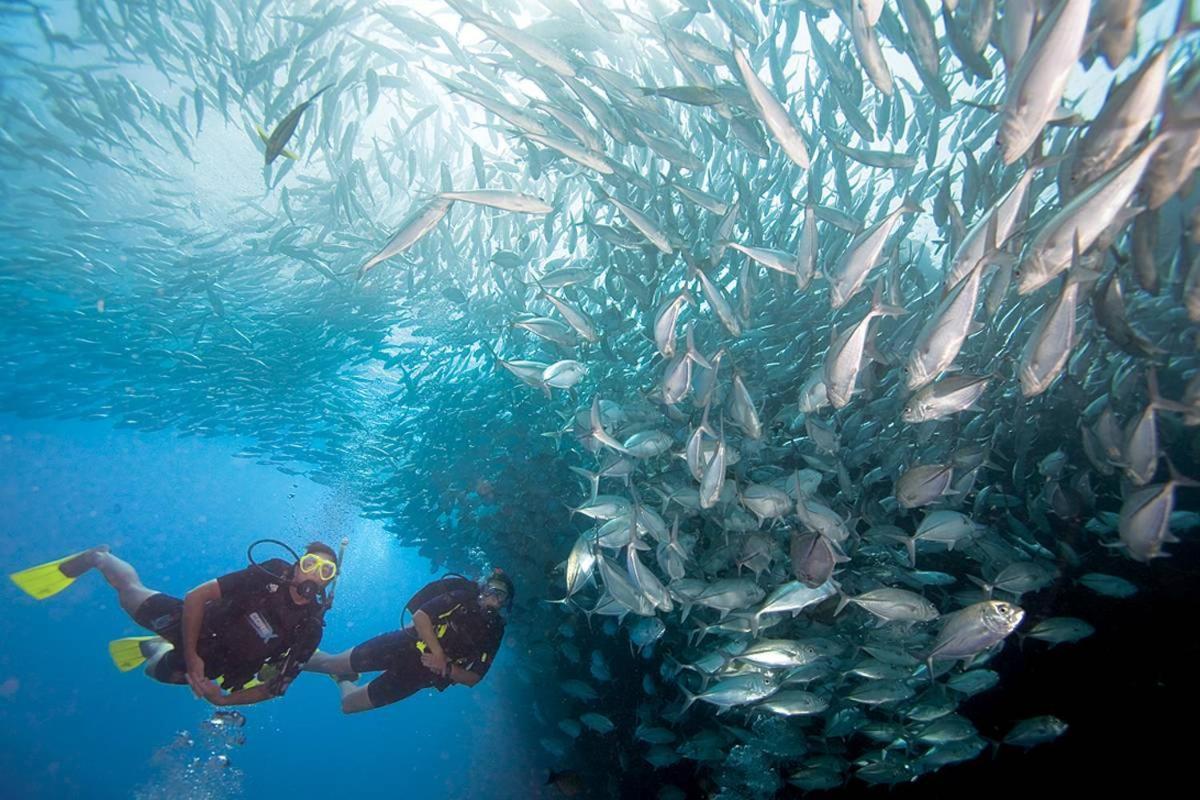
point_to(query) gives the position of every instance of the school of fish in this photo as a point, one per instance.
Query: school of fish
(789, 346)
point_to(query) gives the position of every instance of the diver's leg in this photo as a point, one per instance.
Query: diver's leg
(330, 663)
(395, 653)
(392, 686)
(355, 698)
(373, 655)
(119, 574)
(337, 665)
(166, 666)
(76, 566)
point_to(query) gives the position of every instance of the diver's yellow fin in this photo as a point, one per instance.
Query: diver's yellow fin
(128, 653)
(44, 580)
(262, 134)
(289, 154)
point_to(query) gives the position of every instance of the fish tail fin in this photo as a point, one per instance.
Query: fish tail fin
(702, 630)
(1038, 151)
(1038, 160)
(705, 425)
(592, 478)
(843, 601)
(1158, 401)
(910, 546)
(1178, 478)
(693, 268)
(673, 663)
(982, 584)
(1079, 274)
(1152, 387)
(993, 252)
(582, 473)
(1175, 121)
(689, 698)
(692, 353)
(880, 308)
(492, 352)
(597, 423)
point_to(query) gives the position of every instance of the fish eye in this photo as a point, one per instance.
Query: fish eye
(1002, 608)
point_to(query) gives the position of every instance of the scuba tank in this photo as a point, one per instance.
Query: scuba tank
(450, 582)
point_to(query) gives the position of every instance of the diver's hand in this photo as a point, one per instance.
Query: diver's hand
(436, 663)
(212, 693)
(201, 685)
(195, 672)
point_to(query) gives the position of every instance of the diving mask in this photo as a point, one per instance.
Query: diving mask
(325, 569)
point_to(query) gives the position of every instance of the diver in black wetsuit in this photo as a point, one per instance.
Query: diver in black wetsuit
(250, 631)
(453, 639)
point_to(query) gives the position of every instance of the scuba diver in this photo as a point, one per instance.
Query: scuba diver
(456, 631)
(250, 631)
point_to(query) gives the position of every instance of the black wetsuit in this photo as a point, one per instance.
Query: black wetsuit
(254, 623)
(469, 634)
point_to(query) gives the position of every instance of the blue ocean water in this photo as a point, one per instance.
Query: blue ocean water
(156, 276)
(182, 510)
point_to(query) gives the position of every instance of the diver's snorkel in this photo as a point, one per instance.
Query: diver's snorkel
(309, 590)
(333, 583)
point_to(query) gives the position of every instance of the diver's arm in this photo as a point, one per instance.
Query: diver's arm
(193, 619)
(193, 614)
(424, 626)
(464, 676)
